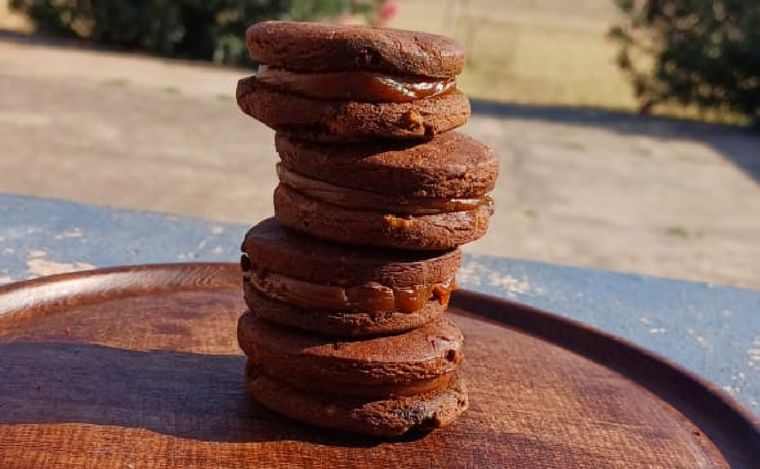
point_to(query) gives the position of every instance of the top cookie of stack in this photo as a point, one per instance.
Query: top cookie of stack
(346, 84)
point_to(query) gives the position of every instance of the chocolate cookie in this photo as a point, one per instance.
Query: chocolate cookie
(392, 416)
(351, 121)
(361, 291)
(340, 323)
(421, 360)
(360, 226)
(324, 46)
(431, 195)
(451, 165)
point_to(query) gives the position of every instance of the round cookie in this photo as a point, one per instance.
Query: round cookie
(327, 221)
(417, 361)
(380, 417)
(326, 46)
(339, 323)
(431, 195)
(450, 165)
(300, 281)
(351, 121)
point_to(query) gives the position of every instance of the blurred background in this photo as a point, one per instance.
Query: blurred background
(627, 129)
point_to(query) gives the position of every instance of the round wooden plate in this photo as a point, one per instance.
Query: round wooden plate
(139, 367)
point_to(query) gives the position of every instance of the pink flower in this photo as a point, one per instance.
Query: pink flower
(387, 11)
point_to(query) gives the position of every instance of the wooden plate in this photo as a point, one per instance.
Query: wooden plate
(138, 367)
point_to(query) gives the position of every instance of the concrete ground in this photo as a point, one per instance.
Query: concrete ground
(580, 187)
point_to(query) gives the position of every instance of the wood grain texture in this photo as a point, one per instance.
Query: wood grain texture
(139, 367)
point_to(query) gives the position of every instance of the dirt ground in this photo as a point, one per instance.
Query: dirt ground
(580, 187)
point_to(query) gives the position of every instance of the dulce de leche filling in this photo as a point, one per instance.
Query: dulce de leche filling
(357, 85)
(369, 297)
(362, 200)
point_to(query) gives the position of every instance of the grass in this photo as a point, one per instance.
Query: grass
(532, 52)
(643, 152)
(173, 90)
(681, 232)
(574, 146)
(118, 82)
(542, 52)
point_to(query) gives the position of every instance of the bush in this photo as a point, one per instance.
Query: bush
(702, 53)
(191, 29)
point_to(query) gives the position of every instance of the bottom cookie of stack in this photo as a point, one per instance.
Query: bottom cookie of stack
(393, 416)
(384, 386)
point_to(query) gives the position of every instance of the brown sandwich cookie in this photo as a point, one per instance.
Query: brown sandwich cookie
(350, 83)
(340, 323)
(361, 291)
(417, 361)
(347, 120)
(390, 416)
(429, 196)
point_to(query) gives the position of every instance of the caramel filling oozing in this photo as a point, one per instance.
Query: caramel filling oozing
(356, 86)
(362, 200)
(369, 297)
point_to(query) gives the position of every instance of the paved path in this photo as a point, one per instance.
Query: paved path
(578, 187)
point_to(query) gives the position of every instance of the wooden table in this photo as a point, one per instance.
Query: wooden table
(710, 329)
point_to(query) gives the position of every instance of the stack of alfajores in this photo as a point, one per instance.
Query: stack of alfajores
(347, 285)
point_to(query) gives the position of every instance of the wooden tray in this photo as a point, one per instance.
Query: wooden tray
(138, 367)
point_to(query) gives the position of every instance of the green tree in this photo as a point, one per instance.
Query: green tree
(701, 53)
(193, 29)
